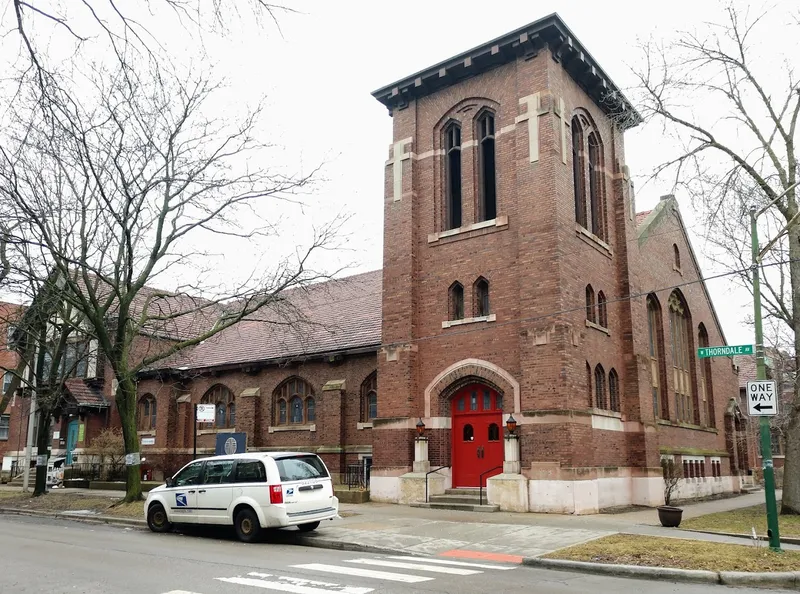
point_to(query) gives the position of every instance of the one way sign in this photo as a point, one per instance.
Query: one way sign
(761, 398)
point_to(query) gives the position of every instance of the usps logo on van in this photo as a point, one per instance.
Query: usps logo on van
(180, 500)
(289, 491)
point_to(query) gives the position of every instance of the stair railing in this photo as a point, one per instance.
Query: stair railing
(426, 479)
(481, 482)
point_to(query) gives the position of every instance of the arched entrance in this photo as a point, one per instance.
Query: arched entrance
(477, 435)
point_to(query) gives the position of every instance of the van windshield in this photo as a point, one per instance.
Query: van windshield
(298, 468)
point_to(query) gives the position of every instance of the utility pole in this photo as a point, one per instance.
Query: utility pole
(761, 374)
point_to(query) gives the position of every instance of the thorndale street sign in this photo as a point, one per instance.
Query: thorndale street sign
(761, 398)
(724, 351)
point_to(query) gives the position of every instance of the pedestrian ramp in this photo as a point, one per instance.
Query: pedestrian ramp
(372, 573)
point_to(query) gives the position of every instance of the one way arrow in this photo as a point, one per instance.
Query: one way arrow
(759, 407)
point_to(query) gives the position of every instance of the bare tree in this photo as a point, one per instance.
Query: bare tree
(115, 176)
(735, 114)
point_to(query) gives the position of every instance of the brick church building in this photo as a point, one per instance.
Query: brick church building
(518, 281)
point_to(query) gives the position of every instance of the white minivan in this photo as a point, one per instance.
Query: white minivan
(249, 491)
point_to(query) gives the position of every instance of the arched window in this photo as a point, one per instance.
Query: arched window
(599, 387)
(657, 367)
(481, 299)
(586, 142)
(706, 386)
(146, 413)
(590, 304)
(494, 432)
(453, 175)
(677, 254)
(294, 403)
(456, 301)
(222, 398)
(369, 397)
(602, 313)
(589, 383)
(469, 433)
(613, 390)
(596, 198)
(577, 172)
(679, 323)
(487, 207)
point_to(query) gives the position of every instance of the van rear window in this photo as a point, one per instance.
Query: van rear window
(298, 468)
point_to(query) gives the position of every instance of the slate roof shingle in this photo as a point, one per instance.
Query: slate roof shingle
(84, 394)
(329, 317)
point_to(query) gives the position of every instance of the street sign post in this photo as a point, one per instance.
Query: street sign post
(762, 400)
(203, 413)
(724, 351)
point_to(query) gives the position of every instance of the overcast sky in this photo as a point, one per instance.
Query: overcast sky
(317, 74)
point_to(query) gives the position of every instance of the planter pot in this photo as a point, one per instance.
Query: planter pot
(669, 516)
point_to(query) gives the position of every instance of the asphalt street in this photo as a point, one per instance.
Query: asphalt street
(55, 556)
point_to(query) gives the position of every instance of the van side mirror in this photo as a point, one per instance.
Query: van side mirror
(170, 481)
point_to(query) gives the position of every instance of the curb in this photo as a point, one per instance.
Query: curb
(784, 539)
(784, 579)
(110, 520)
(278, 537)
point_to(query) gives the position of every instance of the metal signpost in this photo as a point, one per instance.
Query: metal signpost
(203, 413)
(764, 412)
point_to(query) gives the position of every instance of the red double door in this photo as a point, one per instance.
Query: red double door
(477, 435)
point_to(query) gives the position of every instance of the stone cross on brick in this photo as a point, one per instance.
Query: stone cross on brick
(398, 156)
(534, 103)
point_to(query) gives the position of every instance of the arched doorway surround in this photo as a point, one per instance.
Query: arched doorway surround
(472, 370)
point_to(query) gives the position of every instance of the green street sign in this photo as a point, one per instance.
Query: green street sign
(725, 351)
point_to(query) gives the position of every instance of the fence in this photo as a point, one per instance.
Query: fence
(357, 475)
(95, 472)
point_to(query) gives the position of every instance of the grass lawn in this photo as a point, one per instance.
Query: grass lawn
(627, 549)
(56, 502)
(741, 521)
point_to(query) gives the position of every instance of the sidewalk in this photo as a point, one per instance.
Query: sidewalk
(436, 532)
(499, 536)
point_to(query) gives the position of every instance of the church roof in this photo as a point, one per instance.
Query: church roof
(85, 394)
(549, 31)
(342, 315)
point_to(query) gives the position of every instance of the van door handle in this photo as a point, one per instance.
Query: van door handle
(192, 491)
(202, 491)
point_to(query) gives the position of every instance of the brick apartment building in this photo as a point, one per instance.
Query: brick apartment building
(518, 279)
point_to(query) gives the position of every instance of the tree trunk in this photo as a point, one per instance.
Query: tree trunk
(126, 403)
(791, 468)
(42, 443)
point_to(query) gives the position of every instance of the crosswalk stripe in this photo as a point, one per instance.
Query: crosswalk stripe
(414, 566)
(306, 582)
(294, 588)
(459, 563)
(368, 573)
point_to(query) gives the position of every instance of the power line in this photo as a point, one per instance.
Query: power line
(582, 307)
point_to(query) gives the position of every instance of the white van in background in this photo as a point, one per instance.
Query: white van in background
(248, 491)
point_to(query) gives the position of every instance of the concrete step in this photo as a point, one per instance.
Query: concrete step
(458, 506)
(464, 491)
(470, 499)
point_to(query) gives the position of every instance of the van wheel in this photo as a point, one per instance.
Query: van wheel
(157, 519)
(308, 527)
(246, 525)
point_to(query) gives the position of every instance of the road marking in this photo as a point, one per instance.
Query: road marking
(304, 582)
(500, 557)
(414, 566)
(180, 592)
(448, 562)
(291, 585)
(369, 573)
